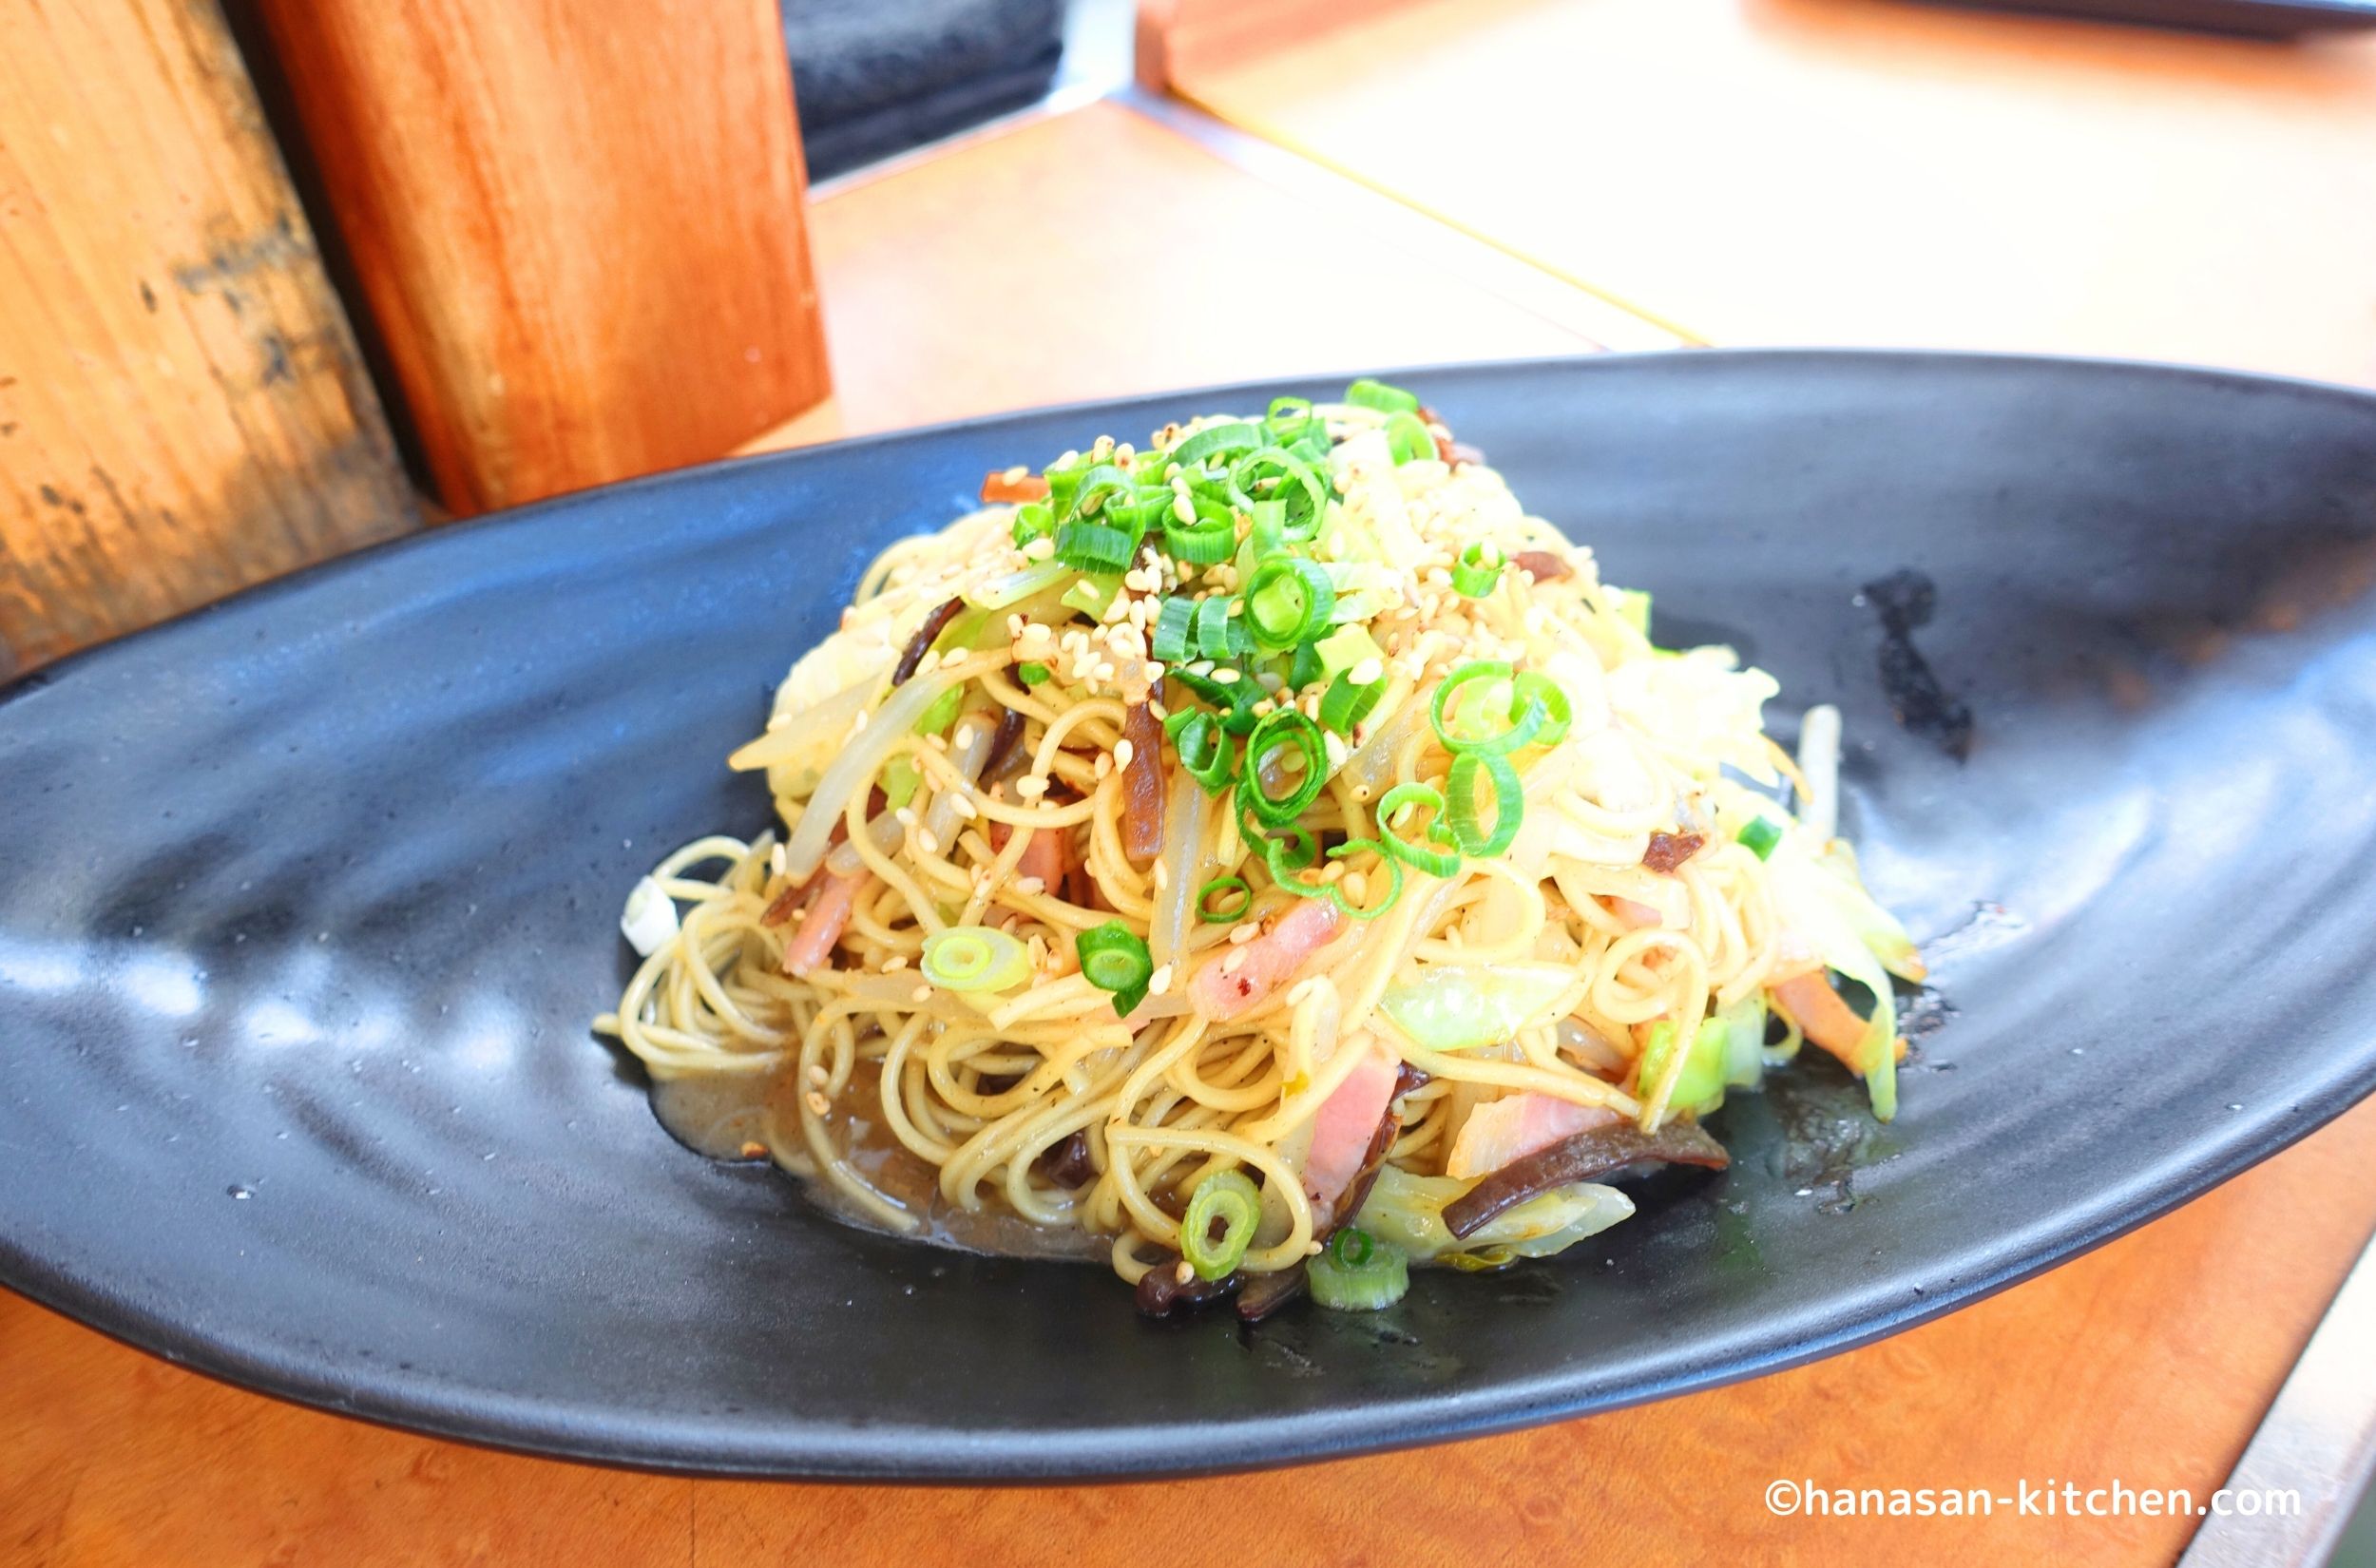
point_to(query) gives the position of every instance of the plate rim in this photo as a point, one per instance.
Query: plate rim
(939, 1455)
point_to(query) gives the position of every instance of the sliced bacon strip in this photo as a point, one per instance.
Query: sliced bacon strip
(1269, 961)
(821, 927)
(1500, 1132)
(1543, 566)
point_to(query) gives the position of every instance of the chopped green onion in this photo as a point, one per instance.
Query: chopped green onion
(1346, 648)
(1303, 667)
(1288, 853)
(1208, 540)
(1098, 482)
(1230, 1200)
(1291, 419)
(1063, 483)
(1092, 594)
(1171, 623)
(1377, 394)
(974, 958)
(1113, 958)
(1214, 638)
(1031, 675)
(1230, 912)
(1016, 587)
(1302, 849)
(1761, 835)
(1356, 1272)
(1219, 441)
(900, 781)
(1033, 520)
(1464, 732)
(1530, 686)
(1280, 467)
(1344, 704)
(1284, 729)
(1204, 750)
(1095, 547)
(1477, 570)
(1407, 439)
(1386, 858)
(1288, 600)
(1418, 856)
(1509, 803)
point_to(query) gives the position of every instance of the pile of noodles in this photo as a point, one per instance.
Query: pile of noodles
(1040, 1103)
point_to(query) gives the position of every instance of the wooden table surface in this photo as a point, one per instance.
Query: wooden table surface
(1873, 171)
(2149, 1360)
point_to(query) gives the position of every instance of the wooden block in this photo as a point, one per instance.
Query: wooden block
(578, 228)
(181, 408)
(1178, 40)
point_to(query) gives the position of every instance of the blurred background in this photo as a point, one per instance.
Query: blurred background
(282, 279)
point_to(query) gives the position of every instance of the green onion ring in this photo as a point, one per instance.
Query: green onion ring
(1235, 911)
(1289, 728)
(1231, 1200)
(1418, 857)
(1509, 803)
(974, 958)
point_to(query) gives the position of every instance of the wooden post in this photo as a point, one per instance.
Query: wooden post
(579, 226)
(1178, 40)
(182, 410)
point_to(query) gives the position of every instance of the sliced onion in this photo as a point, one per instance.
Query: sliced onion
(886, 728)
(1372, 765)
(814, 728)
(941, 821)
(884, 833)
(1182, 859)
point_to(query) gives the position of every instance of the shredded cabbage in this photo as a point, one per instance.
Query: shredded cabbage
(1460, 1007)
(1407, 1209)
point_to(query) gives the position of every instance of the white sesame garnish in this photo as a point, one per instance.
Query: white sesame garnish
(1030, 886)
(817, 1103)
(1366, 672)
(1244, 932)
(1124, 752)
(1236, 957)
(892, 965)
(1030, 787)
(1161, 980)
(1163, 876)
(921, 993)
(964, 808)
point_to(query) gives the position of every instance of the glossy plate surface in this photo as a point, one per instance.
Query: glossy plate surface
(307, 900)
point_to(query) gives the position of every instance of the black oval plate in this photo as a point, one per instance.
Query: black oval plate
(309, 897)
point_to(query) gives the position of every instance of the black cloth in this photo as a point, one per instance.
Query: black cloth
(875, 77)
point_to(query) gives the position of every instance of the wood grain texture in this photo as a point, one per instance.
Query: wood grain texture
(2147, 1361)
(1871, 172)
(579, 227)
(914, 262)
(181, 408)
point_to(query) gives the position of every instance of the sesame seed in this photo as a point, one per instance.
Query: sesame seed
(1035, 634)
(1163, 876)
(1224, 676)
(905, 816)
(1030, 787)
(925, 842)
(776, 861)
(817, 1103)
(1367, 670)
(1124, 752)
(1031, 887)
(892, 965)
(1244, 932)
(964, 808)
(964, 736)
(921, 993)
(1161, 980)
(1185, 1271)
(818, 1076)
(1230, 964)
(1016, 475)
(1356, 886)
(1302, 989)
(1311, 1248)
(1104, 765)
